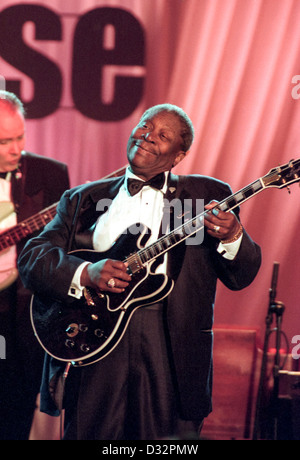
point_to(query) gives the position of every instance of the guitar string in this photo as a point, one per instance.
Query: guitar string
(189, 224)
(159, 243)
(39, 219)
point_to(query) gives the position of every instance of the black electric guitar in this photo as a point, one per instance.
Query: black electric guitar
(85, 330)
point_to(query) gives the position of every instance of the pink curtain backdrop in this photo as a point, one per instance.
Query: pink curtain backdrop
(233, 66)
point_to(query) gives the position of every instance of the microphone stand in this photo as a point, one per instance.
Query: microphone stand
(278, 309)
(274, 308)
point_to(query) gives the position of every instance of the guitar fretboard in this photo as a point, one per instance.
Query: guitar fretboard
(189, 228)
(27, 227)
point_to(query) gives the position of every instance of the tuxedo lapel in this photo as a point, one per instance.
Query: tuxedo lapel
(107, 189)
(93, 202)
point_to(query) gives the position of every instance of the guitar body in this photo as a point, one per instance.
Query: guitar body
(6, 209)
(85, 330)
(8, 277)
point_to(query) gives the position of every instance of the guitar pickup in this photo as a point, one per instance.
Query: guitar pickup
(134, 264)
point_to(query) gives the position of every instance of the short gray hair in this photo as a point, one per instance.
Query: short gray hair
(187, 132)
(12, 101)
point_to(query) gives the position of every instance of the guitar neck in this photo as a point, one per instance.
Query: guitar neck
(192, 226)
(25, 228)
(238, 198)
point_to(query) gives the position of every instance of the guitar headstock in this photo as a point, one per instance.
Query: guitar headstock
(283, 175)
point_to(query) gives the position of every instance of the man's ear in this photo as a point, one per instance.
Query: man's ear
(180, 156)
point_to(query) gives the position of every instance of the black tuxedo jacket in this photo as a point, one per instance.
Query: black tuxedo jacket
(40, 183)
(195, 269)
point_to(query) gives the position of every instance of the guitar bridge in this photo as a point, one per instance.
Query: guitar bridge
(89, 296)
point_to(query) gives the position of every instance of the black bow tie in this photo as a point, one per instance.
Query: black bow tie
(135, 185)
(15, 173)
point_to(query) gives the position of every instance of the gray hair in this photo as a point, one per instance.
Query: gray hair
(12, 101)
(187, 132)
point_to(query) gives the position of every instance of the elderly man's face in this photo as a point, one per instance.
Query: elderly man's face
(12, 137)
(155, 145)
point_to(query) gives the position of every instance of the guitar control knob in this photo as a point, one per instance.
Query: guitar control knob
(99, 333)
(70, 343)
(85, 348)
(72, 330)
